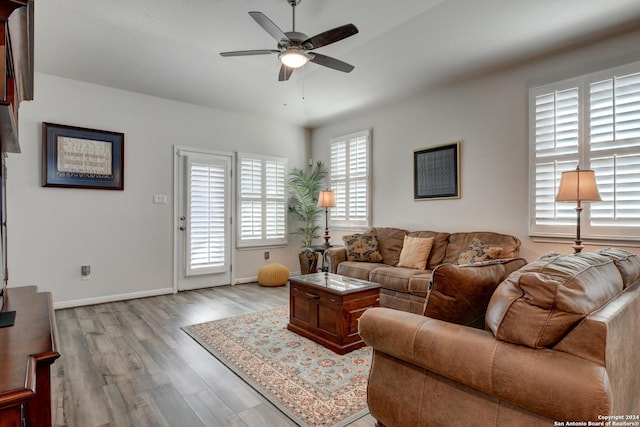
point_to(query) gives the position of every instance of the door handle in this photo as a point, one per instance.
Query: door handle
(312, 296)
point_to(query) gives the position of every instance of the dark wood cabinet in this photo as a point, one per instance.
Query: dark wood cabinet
(30, 346)
(16, 85)
(16, 66)
(329, 315)
(27, 350)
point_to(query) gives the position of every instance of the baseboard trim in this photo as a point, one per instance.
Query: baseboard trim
(244, 280)
(111, 298)
(134, 295)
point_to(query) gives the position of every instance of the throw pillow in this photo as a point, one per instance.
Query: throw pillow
(415, 252)
(477, 251)
(362, 247)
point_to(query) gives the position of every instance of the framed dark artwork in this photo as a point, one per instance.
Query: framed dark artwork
(436, 172)
(82, 158)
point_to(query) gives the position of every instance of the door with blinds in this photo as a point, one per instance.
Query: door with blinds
(204, 220)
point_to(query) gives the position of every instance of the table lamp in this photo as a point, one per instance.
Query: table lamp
(578, 186)
(326, 200)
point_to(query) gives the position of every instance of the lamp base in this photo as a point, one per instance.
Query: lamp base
(326, 239)
(577, 246)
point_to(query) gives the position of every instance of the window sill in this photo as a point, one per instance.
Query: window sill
(260, 247)
(588, 241)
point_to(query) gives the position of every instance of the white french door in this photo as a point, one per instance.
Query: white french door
(203, 244)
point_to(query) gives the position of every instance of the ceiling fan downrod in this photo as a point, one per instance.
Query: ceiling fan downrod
(293, 4)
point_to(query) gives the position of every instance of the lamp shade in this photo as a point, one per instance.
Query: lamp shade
(326, 199)
(293, 57)
(578, 186)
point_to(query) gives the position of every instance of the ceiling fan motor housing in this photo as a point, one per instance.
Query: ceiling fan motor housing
(295, 39)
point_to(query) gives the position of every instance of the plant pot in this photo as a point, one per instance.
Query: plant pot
(308, 261)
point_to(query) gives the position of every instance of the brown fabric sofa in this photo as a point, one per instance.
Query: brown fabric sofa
(561, 344)
(443, 290)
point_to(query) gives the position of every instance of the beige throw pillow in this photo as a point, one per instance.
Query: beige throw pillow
(415, 252)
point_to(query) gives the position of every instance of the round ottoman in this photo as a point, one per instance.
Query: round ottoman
(273, 275)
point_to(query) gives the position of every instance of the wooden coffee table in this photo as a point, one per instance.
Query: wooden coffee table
(325, 308)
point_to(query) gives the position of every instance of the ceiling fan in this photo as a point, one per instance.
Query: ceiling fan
(294, 48)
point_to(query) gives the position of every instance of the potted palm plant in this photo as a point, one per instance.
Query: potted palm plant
(303, 207)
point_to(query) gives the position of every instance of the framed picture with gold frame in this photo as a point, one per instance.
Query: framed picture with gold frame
(82, 158)
(436, 172)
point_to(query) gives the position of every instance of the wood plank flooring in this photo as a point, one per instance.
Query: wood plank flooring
(129, 364)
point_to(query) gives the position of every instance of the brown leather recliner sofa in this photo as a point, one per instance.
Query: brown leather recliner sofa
(562, 344)
(443, 289)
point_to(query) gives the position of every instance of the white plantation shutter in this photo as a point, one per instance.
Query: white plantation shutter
(350, 172)
(262, 200)
(614, 113)
(250, 175)
(275, 224)
(555, 140)
(592, 121)
(338, 173)
(618, 180)
(547, 211)
(207, 213)
(556, 123)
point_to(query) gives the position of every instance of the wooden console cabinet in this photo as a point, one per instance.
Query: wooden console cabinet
(27, 350)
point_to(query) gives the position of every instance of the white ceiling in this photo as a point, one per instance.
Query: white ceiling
(170, 48)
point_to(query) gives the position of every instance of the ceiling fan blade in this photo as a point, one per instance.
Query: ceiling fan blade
(285, 73)
(249, 52)
(269, 26)
(330, 62)
(330, 36)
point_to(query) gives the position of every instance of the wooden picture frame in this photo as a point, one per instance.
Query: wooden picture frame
(78, 157)
(436, 172)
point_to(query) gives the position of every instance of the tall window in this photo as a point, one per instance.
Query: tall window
(592, 121)
(262, 209)
(350, 180)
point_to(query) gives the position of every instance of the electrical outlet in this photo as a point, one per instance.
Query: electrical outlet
(85, 271)
(160, 199)
(266, 255)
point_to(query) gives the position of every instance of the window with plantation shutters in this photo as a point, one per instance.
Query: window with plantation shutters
(592, 121)
(350, 171)
(262, 209)
(207, 213)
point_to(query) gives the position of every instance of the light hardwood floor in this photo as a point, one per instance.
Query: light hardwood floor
(129, 364)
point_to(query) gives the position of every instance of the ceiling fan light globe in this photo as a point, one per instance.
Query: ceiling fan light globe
(293, 58)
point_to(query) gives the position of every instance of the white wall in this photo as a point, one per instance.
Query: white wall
(127, 240)
(489, 115)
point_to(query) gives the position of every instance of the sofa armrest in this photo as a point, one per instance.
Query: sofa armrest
(335, 256)
(436, 345)
(461, 293)
(534, 379)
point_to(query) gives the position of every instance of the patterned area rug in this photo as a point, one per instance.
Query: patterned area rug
(309, 383)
